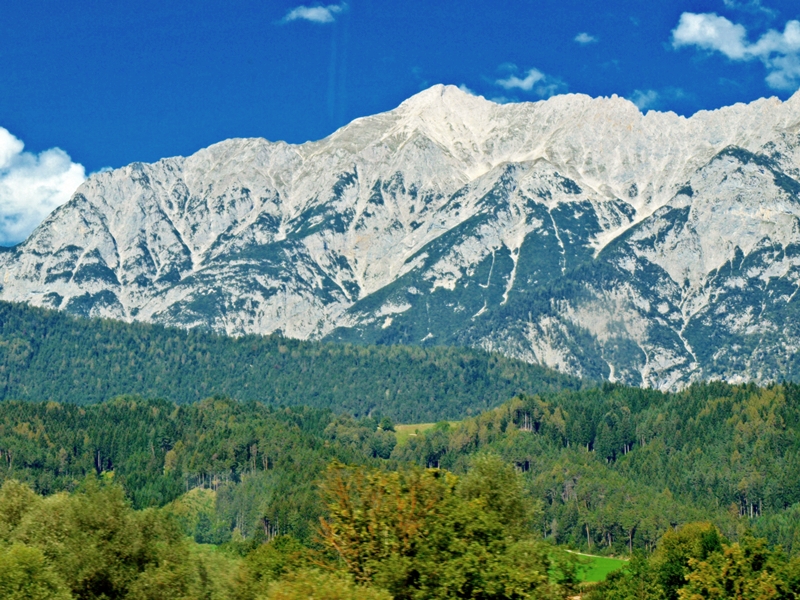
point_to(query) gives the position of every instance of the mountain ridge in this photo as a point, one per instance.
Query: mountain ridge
(470, 211)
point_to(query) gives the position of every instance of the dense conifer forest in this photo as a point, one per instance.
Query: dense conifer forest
(617, 467)
(49, 355)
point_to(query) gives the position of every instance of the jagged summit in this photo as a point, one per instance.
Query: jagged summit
(574, 231)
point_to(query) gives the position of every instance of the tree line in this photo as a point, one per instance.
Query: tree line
(49, 355)
(617, 467)
(614, 467)
(407, 534)
(259, 461)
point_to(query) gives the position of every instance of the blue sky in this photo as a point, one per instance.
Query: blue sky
(87, 85)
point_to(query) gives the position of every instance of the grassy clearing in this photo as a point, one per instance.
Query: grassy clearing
(403, 432)
(595, 568)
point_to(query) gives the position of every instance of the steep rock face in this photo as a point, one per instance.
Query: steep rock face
(573, 232)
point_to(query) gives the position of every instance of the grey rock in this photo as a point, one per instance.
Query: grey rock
(574, 232)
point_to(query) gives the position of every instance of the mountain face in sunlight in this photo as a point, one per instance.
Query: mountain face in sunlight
(574, 232)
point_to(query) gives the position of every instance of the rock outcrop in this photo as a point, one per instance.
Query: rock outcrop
(574, 232)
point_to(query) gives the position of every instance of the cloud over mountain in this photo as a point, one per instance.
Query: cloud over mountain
(32, 185)
(778, 51)
(533, 80)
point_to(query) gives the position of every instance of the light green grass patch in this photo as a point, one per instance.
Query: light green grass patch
(595, 568)
(403, 432)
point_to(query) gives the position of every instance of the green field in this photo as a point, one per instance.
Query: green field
(403, 432)
(595, 568)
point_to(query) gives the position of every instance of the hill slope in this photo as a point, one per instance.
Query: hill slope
(613, 467)
(48, 355)
(616, 466)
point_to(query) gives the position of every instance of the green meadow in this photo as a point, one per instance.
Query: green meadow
(403, 432)
(595, 568)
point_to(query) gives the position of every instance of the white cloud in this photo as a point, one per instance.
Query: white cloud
(315, 14)
(532, 77)
(31, 186)
(778, 51)
(584, 38)
(534, 81)
(785, 74)
(711, 32)
(644, 99)
(463, 87)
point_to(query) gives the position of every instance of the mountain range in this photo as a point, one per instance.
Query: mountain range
(575, 232)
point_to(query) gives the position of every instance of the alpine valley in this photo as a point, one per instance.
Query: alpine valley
(574, 232)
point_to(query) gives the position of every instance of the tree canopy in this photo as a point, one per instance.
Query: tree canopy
(49, 355)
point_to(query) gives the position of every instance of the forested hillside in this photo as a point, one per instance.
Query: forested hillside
(47, 355)
(614, 468)
(292, 437)
(259, 462)
(617, 467)
(409, 534)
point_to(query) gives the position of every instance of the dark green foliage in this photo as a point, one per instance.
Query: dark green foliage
(614, 468)
(696, 563)
(678, 480)
(676, 550)
(404, 534)
(47, 355)
(90, 545)
(617, 467)
(25, 575)
(260, 462)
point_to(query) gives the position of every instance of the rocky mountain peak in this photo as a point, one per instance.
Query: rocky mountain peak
(574, 232)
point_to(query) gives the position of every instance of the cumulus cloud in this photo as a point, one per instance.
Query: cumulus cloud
(315, 14)
(711, 32)
(584, 38)
(532, 77)
(463, 87)
(31, 186)
(533, 80)
(778, 51)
